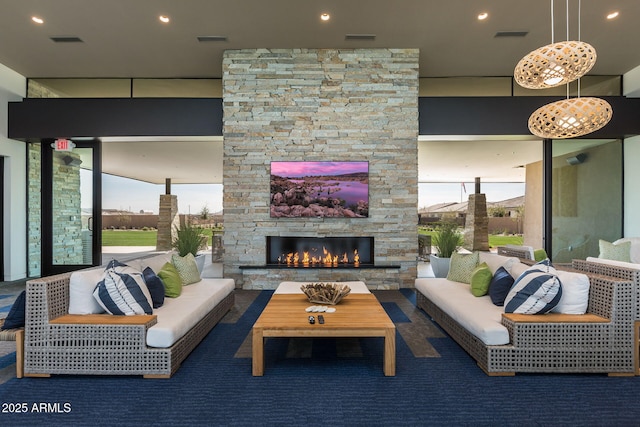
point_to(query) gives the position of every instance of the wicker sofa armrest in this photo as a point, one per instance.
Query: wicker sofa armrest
(522, 252)
(621, 273)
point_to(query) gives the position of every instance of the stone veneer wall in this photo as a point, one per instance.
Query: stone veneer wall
(168, 222)
(34, 211)
(67, 213)
(321, 105)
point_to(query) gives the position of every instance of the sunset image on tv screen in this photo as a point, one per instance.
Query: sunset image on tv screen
(320, 189)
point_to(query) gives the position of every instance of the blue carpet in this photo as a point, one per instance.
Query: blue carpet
(7, 360)
(395, 313)
(212, 388)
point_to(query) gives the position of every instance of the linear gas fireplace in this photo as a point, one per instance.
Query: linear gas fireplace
(320, 252)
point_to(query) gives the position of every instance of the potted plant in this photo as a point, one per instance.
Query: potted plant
(446, 240)
(190, 239)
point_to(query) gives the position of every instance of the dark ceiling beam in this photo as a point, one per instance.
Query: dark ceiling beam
(509, 116)
(36, 118)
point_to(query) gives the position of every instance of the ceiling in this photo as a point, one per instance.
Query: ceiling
(186, 160)
(124, 38)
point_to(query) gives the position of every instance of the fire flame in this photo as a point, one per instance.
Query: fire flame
(327, 258)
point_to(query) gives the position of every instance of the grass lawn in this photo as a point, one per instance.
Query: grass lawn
(148, 238)
(494, 239)
(136, 237)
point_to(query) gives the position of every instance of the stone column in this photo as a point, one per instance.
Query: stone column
(168, 221)
(476, 228)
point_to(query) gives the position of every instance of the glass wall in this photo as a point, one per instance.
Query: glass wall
(510, 175)
(586, 206)
(212, 88)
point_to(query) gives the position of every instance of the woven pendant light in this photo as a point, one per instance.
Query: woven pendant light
(570, 118)
(555, 64)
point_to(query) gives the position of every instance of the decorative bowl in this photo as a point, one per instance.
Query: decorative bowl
(325, 293)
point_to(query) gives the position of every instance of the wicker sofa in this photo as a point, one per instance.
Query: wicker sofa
(599, 341)
(101, 344)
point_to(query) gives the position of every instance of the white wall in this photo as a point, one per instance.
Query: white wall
(14, 181)
(631, 83)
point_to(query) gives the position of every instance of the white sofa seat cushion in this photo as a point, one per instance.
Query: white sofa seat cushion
(477, 315)
(294, 287)
(178, 315)
(615, 263)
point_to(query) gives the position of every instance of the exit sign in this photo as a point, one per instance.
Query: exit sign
(63, 144)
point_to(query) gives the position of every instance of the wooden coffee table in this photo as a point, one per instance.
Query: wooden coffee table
(357, 315)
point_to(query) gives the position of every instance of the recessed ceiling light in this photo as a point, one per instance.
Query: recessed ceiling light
(483, 16)
(325, 16)
(613, 15)
(164, 18)
(37, 20)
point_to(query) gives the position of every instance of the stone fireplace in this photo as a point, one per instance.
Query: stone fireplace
(321, 105)
(320, 252)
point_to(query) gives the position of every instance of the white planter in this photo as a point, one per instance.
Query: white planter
(200, 262)
(440, 266)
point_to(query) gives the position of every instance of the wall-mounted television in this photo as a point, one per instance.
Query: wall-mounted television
(319, 189)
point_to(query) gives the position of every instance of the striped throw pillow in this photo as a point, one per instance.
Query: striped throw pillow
(536, 291)
(122, 291)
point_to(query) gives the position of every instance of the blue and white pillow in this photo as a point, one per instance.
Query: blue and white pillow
(536, 291)
(122, 291)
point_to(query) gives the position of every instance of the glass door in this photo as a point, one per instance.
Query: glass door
(586, 197)
(71, 238)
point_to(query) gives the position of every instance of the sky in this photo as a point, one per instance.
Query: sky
(433, 193)
(298, 169)
(135, 196)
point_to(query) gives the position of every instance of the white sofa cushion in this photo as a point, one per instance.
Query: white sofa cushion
(81, 286)
(517, 269)
(575, 293)
(495, 261)
(294, 287)
(178, 315)
(477, 315)
(156, 262)
(612, 262)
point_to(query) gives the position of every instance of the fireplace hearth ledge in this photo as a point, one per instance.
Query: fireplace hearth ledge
(318, 267)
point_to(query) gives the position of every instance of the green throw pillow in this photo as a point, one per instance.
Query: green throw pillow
(171, 279)
(619, 252)
(462, 266)
(480, 280)
(540, 255)
(187, 268)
